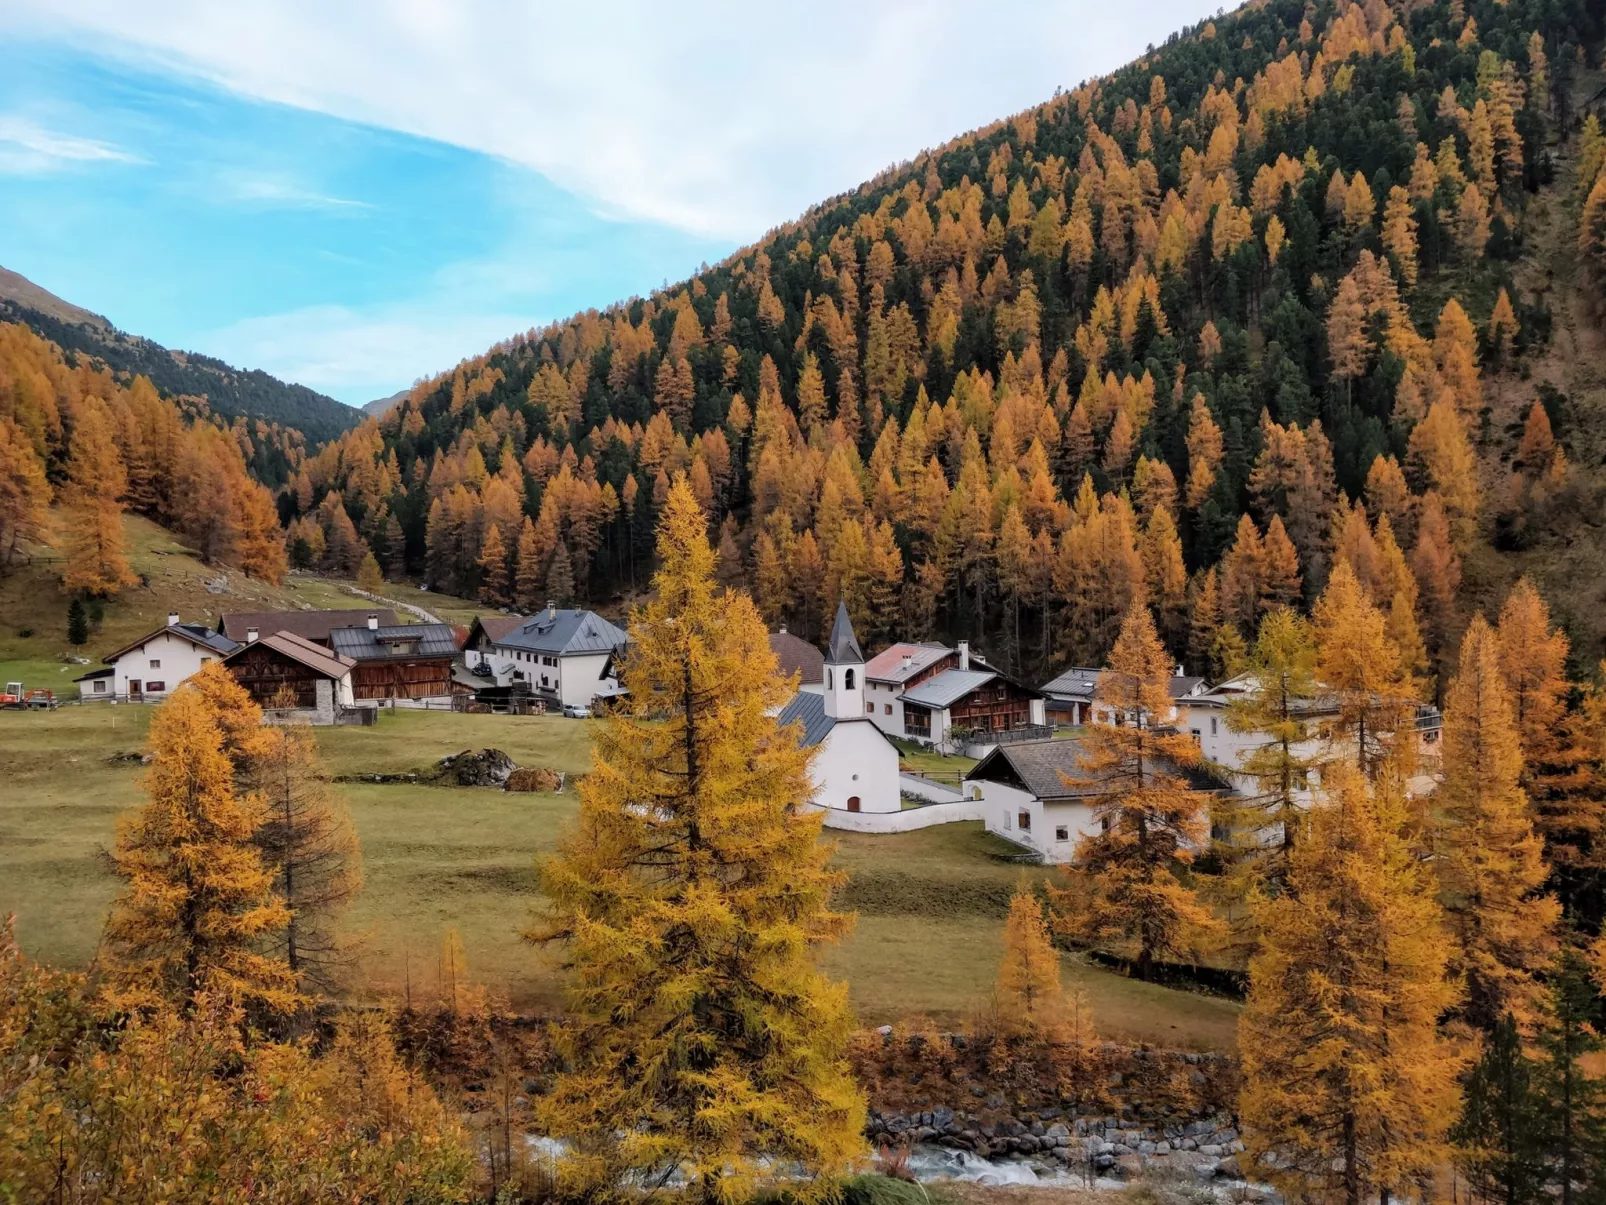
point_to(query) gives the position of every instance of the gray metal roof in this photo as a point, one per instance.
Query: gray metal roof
(844, 646)
(564, 632)
(948, 687)
(195, 633)
(1075, 683)
(387, 643)
(808, 710)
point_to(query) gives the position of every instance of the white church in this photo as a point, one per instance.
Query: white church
(855, 766)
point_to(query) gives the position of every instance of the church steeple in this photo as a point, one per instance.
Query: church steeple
(844, 670)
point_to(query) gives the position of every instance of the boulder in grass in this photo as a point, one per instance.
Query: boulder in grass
(486, 768)
(535, 779)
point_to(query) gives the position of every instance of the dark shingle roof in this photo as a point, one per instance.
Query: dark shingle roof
(388, 643)
(844, 646)
(309, 625)
(1037, 766)
(797, 656)
(807, 710)
(564, 632)
(947, 688)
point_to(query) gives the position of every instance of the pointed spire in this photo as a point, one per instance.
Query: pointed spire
(844, 647)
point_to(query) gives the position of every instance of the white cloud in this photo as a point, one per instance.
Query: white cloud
(718, 117)
(357, 355)
(279, 192)
(26, 147)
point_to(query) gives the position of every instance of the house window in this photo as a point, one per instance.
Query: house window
(887, 708)
(853, 803)
(155, 688)
(1062, 833)
(155, 663)
(1025, 819)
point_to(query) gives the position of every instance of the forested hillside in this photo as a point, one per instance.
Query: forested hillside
(230, 392)
(1306, 282)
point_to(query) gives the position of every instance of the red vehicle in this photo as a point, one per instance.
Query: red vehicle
(14, 699)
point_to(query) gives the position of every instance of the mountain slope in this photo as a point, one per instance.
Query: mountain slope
(1303, 284)
(230, 392)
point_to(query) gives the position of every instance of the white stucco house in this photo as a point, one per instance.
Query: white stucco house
(565, 656)
(855, 766)
(152, 667)
(1026, 799)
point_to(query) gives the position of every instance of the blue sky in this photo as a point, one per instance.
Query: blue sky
(355, 195)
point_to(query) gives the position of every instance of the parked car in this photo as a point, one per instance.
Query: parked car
(575, 711)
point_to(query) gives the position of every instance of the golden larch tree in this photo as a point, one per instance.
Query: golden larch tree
(1152, 818)
(96, 563)
(1030, 999)
(1349, 1086)
(1359, 668)
(198, 903)
(1279, 709)
(1491, 865)
(690, 898)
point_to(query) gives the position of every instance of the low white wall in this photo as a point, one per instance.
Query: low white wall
(927, 789)
(906, 821)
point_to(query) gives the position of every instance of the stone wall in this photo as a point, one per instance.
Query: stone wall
(1101, 1109)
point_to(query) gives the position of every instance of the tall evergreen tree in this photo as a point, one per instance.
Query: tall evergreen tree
(690, 898)
(1349, 1085)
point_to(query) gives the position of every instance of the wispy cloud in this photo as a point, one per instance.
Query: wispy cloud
(26, 146)
(284, 193)
(710, 116)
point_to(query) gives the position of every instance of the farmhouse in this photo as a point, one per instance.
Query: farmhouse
(794, 655)
(151, 668)
(309, 625)
(287, 673)
(855, 767)
(399, 661)
(565, 656)
(1037, 795)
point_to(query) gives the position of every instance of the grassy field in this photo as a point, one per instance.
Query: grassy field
(930, 903)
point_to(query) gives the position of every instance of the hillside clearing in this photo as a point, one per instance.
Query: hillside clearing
(930, 903)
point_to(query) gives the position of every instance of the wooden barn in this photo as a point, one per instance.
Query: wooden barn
(285, 672)
(402, 661)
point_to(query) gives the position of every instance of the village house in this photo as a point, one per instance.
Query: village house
(565, 656)
(1070, 698)
(794, 655)
(1037, 795)
(855, 767)
(313, 626)
(399, 662)
(948, 698)
(292, 677)
(152, 667)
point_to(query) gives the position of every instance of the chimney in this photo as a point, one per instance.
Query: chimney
(964, 654)
(250, 635)
(172, 619)
(373, 623)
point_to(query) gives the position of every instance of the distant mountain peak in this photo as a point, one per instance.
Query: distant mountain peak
(230, 392)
